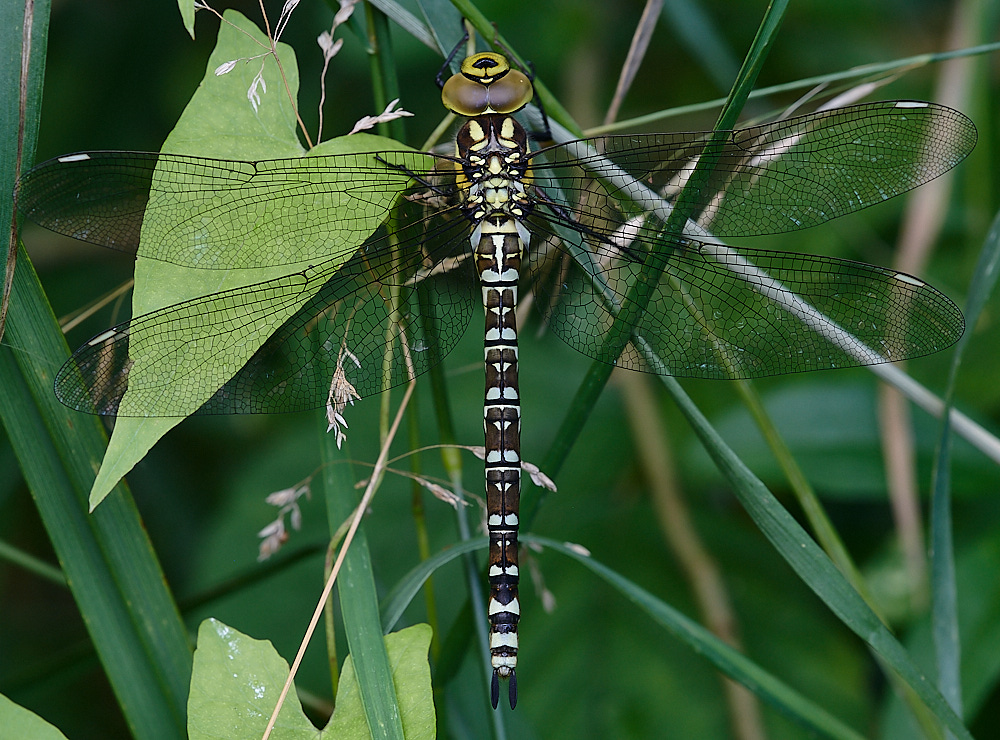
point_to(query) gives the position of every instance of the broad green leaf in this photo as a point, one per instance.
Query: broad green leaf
(18, 722)
(237, 680)
(235, 686)
(220, 122)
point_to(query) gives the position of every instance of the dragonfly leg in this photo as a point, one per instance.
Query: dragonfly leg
(446, 67)
(566, 219)
(410, 173)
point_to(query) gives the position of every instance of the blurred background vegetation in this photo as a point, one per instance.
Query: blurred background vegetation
(118, 76)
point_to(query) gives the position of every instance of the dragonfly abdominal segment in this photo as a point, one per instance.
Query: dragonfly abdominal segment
(492, 151)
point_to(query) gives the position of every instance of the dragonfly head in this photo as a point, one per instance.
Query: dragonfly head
(486, 84)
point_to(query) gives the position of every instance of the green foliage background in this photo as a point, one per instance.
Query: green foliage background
(118, 76)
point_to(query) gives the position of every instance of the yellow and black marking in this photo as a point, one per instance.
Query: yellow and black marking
(492, 149)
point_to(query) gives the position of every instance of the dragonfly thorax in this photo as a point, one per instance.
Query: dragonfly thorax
(493, 151)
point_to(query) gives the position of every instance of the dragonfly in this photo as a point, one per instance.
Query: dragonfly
(618, 238)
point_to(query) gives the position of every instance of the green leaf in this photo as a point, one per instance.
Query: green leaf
(944, 594)
(187, 15)
(221, 122)
(106, 557)
(25, 725)
(399, 598)
(235, 686)
(237, 681)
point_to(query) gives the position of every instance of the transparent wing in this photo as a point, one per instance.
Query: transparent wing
(360, 314)
(715, 311)
(387, 314)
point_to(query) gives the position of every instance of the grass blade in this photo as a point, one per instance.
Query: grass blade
(106, 557)
(359, 602)
(944, 591)
(811, 564)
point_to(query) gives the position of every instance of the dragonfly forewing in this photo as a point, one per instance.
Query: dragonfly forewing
(773, 178)
(220, 214)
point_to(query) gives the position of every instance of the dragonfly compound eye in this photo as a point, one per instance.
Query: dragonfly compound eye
(486, 84)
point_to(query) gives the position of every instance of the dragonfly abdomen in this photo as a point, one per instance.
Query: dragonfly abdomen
(498, 259)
